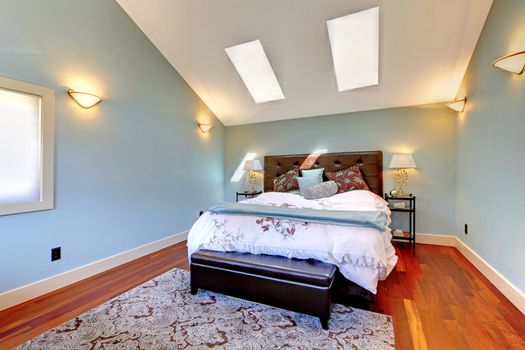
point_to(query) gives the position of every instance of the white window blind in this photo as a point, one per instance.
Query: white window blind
(26, 147)
(20, 147)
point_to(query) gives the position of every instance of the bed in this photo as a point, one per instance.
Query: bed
(363, 255)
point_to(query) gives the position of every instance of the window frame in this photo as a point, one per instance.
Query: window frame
(47, 139)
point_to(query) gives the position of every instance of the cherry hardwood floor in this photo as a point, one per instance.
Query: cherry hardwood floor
(438, 300)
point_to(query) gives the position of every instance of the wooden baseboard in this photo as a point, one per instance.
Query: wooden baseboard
(47, 285)
(436, 239)
(509, 290)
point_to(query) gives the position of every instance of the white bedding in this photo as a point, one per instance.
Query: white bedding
(363, 255)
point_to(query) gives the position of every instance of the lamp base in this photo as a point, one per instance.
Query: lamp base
(397, 193)
(400, 180)
(252, 180)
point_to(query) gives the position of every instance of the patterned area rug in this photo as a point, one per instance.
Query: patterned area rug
(162, 314)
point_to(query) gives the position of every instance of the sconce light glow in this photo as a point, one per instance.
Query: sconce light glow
(84, 99)
(458, 105)
(514, 63)
(205, 127)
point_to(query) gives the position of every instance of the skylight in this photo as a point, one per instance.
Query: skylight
(355, 49)
(255, 70)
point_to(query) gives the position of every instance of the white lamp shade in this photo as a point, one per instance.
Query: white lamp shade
(402, 161)
(514, 63)
(254, 165)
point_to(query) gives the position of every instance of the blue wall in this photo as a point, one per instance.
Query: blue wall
(135, 168)
(130, 171)
(426, 131)
(491, 142)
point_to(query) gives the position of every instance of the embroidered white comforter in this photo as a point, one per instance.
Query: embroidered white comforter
(363, 255)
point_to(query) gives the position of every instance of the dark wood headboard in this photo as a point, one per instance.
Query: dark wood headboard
(371, 164)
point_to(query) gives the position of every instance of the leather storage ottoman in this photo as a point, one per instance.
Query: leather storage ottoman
(297, 285)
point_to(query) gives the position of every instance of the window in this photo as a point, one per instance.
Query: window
(252, 64)
(355, 49)
(26, 147)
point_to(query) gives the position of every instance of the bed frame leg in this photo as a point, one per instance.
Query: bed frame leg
(324, 323)
(193, 290)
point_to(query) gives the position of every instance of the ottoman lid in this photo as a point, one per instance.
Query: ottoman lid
(309, 271)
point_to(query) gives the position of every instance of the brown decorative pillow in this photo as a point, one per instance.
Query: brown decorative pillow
(348, 179)
(286, 182)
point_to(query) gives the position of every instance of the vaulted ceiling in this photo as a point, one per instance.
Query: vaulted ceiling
(424, 49)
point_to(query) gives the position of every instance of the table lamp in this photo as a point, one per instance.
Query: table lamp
(401, 162)
(252, 166)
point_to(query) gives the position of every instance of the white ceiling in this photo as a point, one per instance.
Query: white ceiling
(425, 47)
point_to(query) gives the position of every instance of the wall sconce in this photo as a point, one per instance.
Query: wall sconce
(514, 63)
(84, 99)
(458, 105)
(205, 127)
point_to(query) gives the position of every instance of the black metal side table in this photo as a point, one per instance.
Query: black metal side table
(410, 208)
(246, 195)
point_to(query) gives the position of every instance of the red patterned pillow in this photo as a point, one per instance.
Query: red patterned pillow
(348, 179)
(286, 182)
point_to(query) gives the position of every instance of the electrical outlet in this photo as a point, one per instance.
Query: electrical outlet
(466, 229)
(55, 254)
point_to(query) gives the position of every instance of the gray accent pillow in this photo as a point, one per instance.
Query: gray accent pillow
(322, 190)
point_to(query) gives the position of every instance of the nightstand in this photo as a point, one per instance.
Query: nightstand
(246, 195)
(410, 208)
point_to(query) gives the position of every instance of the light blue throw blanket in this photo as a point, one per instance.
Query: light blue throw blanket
(372, 219)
